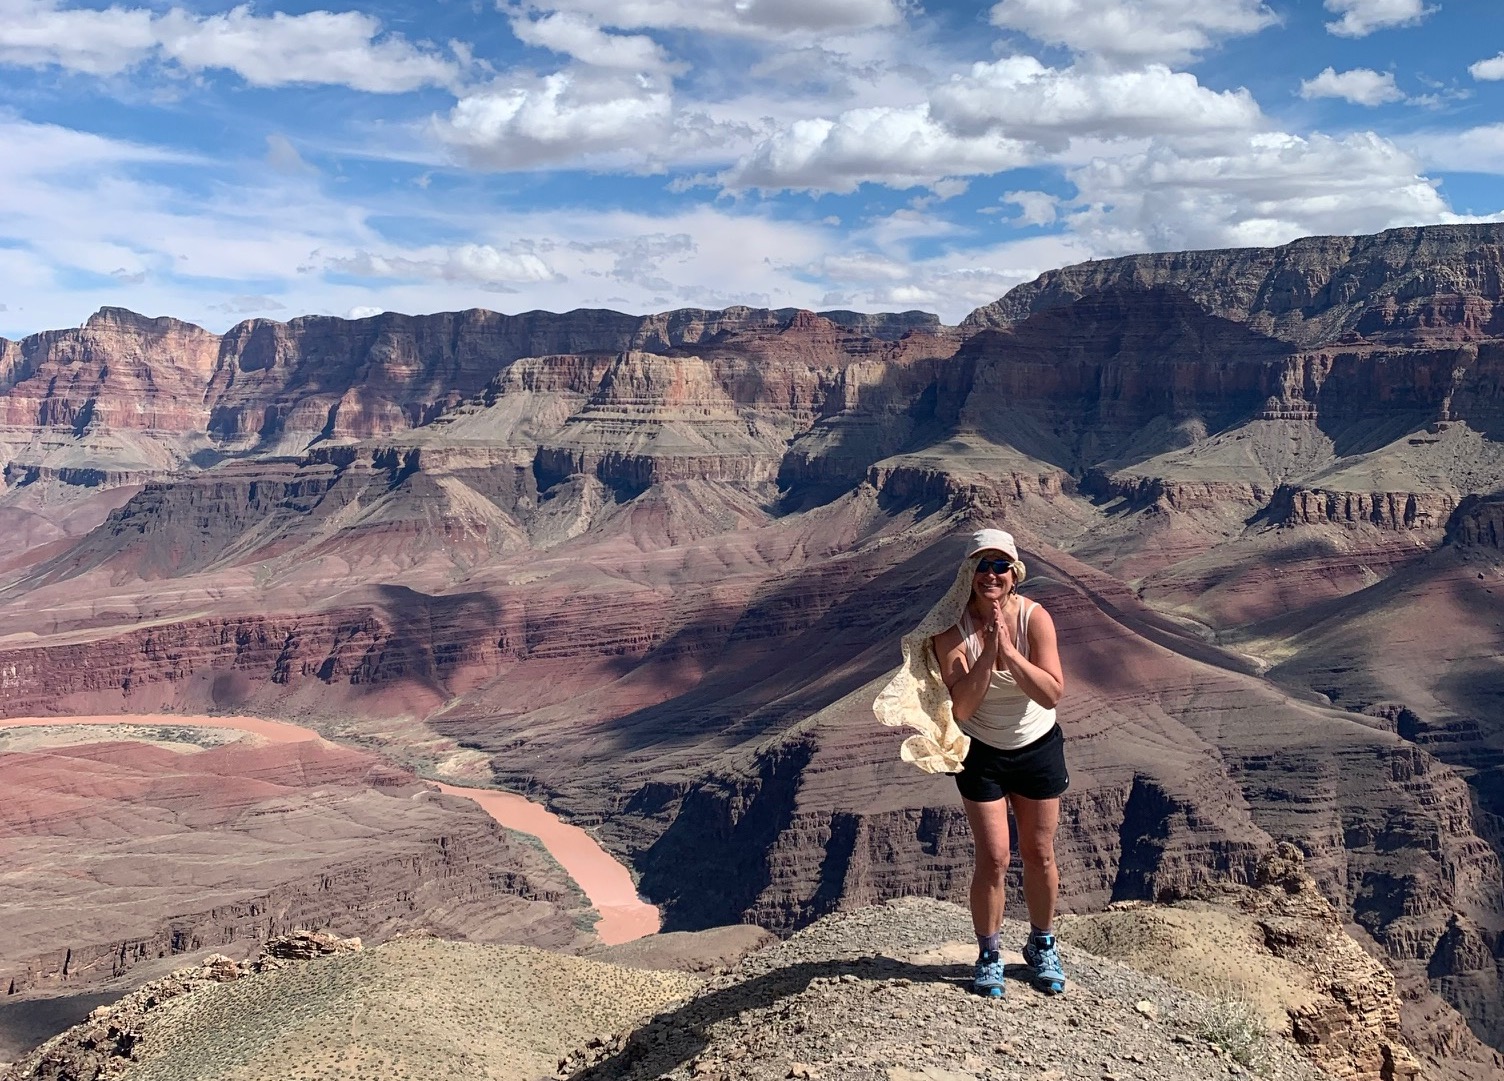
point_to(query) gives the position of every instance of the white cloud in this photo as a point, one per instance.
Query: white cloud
(1264, 189)
(898, 147)
(579, 37)
(865, 267)
(1490, 70)
(249, 304)
(951, 284)
(1022, 99)
(363, 311)
(78, 205)
(484, 265)
(568, 117)
(1475, 150)
(1134, 31)
(1362, 17)
(343, 48)
(1037, 207)
(1361, 86)
(293, 241)
(761, 18)
(1001, 115)
(320, 47)
(29, 151)
(640, 260)
(35, 33)
(615, 259)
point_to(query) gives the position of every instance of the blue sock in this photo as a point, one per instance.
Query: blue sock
(990, 943)
(1035, 932)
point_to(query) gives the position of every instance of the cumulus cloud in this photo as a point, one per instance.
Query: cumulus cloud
(572, 116)
(1490, 70)
(1000, 115)
(1268, 188)
(1022, 99)
(1134, 31)
(577, 36)
(899, 147)
(1361, 86)
(1036, 207)
(1362, 17)
(342, 48)
(320, 47)
(759, 18)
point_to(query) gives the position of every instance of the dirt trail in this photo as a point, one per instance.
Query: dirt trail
(608, 885)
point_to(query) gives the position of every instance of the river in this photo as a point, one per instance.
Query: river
(605, 882)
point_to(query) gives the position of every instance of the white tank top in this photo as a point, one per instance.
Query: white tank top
(1007, 718)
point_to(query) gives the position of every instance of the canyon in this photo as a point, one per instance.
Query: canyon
(650, 571)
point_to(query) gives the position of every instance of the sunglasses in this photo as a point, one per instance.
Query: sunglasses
(996, 566)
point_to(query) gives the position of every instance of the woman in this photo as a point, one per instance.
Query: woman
(1002, 666)
(980, 679)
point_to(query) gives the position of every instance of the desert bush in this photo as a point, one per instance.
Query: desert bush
(1235, 1027)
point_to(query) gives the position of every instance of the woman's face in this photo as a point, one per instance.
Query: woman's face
(990, 585)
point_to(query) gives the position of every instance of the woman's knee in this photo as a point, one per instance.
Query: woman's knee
(1037, 855)
(991, 863)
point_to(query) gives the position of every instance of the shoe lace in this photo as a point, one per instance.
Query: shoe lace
(1045, 955)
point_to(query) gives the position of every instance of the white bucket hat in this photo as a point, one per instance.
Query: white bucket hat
(998, 540)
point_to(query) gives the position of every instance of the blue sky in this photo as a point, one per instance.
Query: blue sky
(217, 162)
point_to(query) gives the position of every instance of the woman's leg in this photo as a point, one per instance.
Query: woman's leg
(989, 832)
(1038, 820)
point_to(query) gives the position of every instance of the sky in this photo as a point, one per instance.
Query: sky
(218, 162)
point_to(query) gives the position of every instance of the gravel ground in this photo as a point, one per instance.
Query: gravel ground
(414, 1008)
(880, 995)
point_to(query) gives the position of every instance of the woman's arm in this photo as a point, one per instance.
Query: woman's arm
(968, 683)
(1040, 678)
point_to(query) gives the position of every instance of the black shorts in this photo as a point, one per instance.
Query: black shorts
(1034, 771)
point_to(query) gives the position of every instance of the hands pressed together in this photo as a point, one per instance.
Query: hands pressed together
(998, 634)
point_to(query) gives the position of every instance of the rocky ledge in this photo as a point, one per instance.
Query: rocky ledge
(875, 994)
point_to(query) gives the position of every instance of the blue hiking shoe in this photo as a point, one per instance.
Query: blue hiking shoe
(1043, 958)
(989, 979)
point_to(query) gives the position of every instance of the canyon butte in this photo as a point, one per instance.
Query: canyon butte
(651, 570)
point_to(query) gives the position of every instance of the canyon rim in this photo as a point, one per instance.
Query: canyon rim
(650, 569)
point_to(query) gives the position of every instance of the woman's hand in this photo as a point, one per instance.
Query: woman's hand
(1002, 632)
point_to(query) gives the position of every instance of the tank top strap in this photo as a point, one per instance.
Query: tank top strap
(1025, 610)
